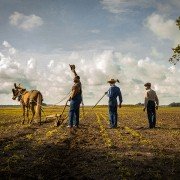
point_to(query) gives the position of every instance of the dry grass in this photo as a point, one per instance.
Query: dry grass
(93, 151)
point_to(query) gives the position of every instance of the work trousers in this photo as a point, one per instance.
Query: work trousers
(113, 116)
(151, 113)
(74, 114)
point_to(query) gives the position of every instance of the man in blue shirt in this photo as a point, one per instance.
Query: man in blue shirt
(113, 93)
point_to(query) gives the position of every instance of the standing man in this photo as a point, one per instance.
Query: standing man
(75, 100)
(113, 93)
(151, 104)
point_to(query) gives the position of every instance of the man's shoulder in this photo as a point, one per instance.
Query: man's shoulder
(114, 87)
(152, 90)
(77, 84)
(117, 87)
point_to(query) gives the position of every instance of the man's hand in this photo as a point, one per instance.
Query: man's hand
(144, 109)
(120, 106)
(72, 67)
(156, 107)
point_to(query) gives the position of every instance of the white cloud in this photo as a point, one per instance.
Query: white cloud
(163, 8)
(55, 79)
(123, 6)
(11, 49)
(51, 64)
(175, 3)
(163, 28)
(31, 63)
(95, 31)
(8, 68)
(6, 44)
(155, 53)
(13, 71)
(172, 69)
(25, 22)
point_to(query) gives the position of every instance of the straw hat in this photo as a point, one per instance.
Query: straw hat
(112, 81)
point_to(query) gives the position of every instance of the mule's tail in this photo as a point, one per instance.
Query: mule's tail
(38, 105)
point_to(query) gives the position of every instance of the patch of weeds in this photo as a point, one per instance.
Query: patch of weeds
(29, 136)
(50, 133)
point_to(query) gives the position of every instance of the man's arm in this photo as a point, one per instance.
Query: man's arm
(157, 101)
(120, 98)
(73, 70)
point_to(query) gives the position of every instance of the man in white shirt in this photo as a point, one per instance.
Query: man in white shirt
(151, 103)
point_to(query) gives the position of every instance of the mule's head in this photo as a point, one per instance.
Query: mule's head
(17, 92)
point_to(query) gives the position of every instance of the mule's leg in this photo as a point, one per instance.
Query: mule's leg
(39, 117)
(38, 106)
(27, 114)
(33, 112)
(23, 108)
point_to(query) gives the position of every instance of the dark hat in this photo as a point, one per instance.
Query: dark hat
(147, 84)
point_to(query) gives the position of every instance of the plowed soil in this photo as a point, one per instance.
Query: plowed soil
(131, 151)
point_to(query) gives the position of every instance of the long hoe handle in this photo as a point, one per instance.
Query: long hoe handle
(98, 102)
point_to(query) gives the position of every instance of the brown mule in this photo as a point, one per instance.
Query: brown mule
(28, 100)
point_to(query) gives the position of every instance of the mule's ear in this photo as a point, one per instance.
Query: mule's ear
(15, 85)
(21, 87)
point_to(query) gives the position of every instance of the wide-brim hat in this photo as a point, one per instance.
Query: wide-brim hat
(113, 81)
(147, 84)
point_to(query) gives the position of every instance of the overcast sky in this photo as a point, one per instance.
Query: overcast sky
(129, 40)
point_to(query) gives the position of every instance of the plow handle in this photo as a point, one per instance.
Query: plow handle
(64, 108)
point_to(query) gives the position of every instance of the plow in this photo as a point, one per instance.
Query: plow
(59, 119)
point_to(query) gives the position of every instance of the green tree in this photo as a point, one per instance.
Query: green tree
(176, 51)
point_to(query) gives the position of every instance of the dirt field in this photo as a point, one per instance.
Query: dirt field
(93, 151)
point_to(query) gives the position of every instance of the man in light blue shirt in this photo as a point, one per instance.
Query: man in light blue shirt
(113, 93)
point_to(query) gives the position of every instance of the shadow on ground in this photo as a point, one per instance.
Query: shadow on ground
(73, 159)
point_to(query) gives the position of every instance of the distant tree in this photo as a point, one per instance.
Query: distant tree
(174, 104)
(176, 51)
(139, 104)
(44, 104)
